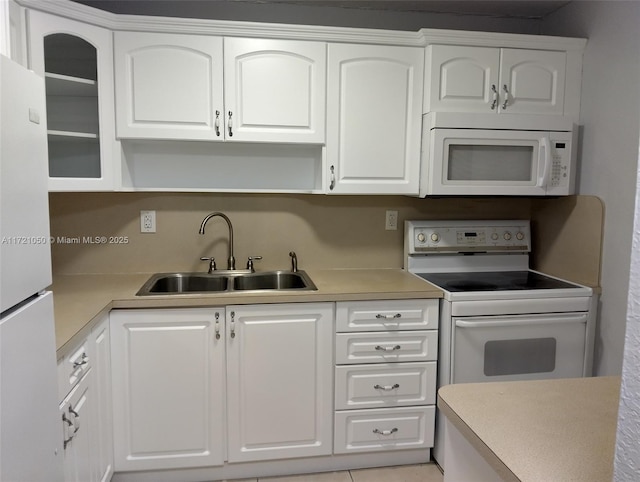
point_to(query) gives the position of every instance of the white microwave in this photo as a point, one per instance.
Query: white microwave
(498, 155)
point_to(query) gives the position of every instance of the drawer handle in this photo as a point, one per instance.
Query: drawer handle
(83, 361)
(385, 432)
(386, 387)
(387, 348)
(388, 317)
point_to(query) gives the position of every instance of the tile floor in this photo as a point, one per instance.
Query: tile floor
(405, 473)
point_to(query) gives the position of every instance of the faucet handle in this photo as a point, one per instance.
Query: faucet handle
(212, 263)
(250, 261)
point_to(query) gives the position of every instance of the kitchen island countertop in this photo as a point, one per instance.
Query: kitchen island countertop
(541, 430)
(80, 300)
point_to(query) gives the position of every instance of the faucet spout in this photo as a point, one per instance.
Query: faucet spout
(231, 261)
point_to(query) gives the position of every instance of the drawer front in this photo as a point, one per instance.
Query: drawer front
(387, 315)
(385, 385)
(386, 347)
(72, 368)
(384, 429)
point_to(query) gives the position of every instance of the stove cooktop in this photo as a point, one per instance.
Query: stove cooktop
(494, 281)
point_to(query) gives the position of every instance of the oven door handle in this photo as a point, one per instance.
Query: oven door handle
(550, 320)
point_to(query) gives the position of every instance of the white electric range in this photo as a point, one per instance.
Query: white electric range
(499, 320)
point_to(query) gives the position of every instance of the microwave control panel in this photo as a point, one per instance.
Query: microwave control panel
(467, 236)
(560, 175)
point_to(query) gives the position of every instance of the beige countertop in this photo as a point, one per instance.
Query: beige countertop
(540, 430)
(80, 300)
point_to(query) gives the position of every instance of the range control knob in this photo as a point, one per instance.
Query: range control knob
(507, 235)
(495, 236)
(435, 237)
(421, 237)
(519, 235)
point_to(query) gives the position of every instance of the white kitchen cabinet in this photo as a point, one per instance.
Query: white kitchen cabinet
(385, 375)
(13, 31)
(374, 94)
(84, 387)
(77, 414)
(102, 436)
(168, 388)
(171, 86)
(274, 90)
(168, 86)
(77, 62)
(279, 381)
(174, 389)
(500, 80)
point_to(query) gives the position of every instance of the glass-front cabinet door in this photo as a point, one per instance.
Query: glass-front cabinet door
(75, 59)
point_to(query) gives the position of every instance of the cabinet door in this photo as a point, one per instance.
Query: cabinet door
(274, 90)
(462, 79)
(102, 438)
(77, 415)
(535, 81)
(76, 60)
(374, 116)
(279, 381)
(168, 86)
(168, 388)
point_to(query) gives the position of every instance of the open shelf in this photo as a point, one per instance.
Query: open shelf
(58, 84)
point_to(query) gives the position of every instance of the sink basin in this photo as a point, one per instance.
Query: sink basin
(165, 283)
(225, 282)
(273, 280)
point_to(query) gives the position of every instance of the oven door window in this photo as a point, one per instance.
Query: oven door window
(523, 347)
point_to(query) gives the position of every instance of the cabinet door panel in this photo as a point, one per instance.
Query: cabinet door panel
(275, 89)
(279, 383)
(80, 100)
(167, 389)
(168, 86)
(535, 79)
(461, 79)
(374, 97)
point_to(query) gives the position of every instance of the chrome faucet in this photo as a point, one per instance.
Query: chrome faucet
(294, 261)
(231, 262)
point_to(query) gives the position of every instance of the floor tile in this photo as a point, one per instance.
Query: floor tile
(405, 473)
(322, 477)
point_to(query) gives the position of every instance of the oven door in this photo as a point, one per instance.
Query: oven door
(518, 347)
(498, 162)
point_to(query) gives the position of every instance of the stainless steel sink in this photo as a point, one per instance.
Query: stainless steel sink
(224, 282)
(165, 283)
(273, 280)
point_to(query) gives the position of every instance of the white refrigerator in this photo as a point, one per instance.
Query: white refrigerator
(30, 429)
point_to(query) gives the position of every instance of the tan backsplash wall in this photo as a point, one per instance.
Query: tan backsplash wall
(325, 231)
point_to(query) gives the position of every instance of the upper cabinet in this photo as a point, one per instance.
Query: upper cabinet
(196, 87)
(374, 95)
(76, 60)
(501, 80)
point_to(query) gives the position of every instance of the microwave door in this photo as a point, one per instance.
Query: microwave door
(477, 162)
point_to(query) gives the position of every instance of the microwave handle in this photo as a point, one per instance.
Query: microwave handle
(546, 162)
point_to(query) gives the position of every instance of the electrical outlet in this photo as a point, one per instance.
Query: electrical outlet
(147, 221)
(391, 221)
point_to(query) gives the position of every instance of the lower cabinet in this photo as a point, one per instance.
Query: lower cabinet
(84, 383)
(168, 388)
(385, 375)
(197, 387)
